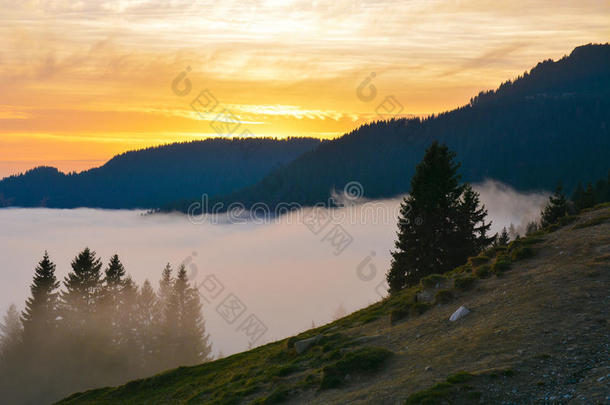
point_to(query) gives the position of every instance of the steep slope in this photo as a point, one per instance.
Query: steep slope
(152, 177)
(553, 121)
(538, 332)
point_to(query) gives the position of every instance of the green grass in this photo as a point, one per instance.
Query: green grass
(442, 393)
(363, 360)
(465, 283)
(593, 222)
(432, 280)
(460, 377)
(453, 390)
(443, 297)
(483, 271)
(521, 253)
(501, 264)
(478, 260)
(407, 310)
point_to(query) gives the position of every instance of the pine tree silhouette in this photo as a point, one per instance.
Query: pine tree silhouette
(42, 308)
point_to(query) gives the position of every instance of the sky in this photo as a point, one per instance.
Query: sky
(280, 262)
(81, 81)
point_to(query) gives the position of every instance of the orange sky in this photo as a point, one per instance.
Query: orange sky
(82, 81)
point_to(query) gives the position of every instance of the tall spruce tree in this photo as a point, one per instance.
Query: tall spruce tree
(577, 196)
(148, 327)
(42, 307)
(167, 315)
(11, 333)
(557, 207)
(471, 237)
(111, 297)
(114, 276)
(83, 288)
(504, 238)
(589, 198)
(191, 339)
(12, 378)
(440, 222)
(127, 325)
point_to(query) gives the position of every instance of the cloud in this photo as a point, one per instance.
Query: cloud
(122, 55)
(284, 273)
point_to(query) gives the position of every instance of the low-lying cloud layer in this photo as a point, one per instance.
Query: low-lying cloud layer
(283, 272)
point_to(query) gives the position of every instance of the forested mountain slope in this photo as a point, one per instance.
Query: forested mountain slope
(152, 177)
(553, 121)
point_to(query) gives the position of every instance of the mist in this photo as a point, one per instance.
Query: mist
(283, 272)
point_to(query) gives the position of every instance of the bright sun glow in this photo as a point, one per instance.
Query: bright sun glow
(81, 81)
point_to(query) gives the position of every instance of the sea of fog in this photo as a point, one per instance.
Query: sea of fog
(280, 276)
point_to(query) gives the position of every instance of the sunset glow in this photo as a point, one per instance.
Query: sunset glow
(82, 81)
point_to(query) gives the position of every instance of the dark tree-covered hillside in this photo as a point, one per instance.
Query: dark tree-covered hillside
(152, 177)
(550, 125)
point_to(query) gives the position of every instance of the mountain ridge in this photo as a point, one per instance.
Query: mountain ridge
(503, 134)
(150, 177)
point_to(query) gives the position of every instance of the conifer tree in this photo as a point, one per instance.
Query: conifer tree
(556, 208)
(191, 340)
(577, 196)
(12, 379)
(437, 228)
(11, 333)
(167, 315)
(588, 199)
(111, 297)
(41, 308)
(82, 290)
(531, 227)
(471, 237)
(128, 343)
(114, 277)
(503, 239)
(147, 327)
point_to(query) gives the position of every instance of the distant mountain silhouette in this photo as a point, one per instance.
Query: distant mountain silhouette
(152, 177)
(549, 125)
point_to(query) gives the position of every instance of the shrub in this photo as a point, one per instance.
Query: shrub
(465, 268)
(282, 371)
(278, 396)
(531, 240)
(363, 360)
(443, 297)
(593, 221)
(399, 313)
(464, 283)
(478, 260)
(436, 394)
(432, 280)
(567, 220)
(460, 377)
(482, 271)
(290, 342)
(418, 308)
(515, 244)
(521, 252)
(501, 264)
(552, 228)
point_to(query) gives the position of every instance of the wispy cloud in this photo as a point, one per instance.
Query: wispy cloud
(289, 66)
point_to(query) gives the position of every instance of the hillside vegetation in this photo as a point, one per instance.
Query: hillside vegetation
(155, 176)
(537, 332)
(558, 110)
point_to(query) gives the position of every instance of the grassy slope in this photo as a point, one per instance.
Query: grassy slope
(537, 331)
